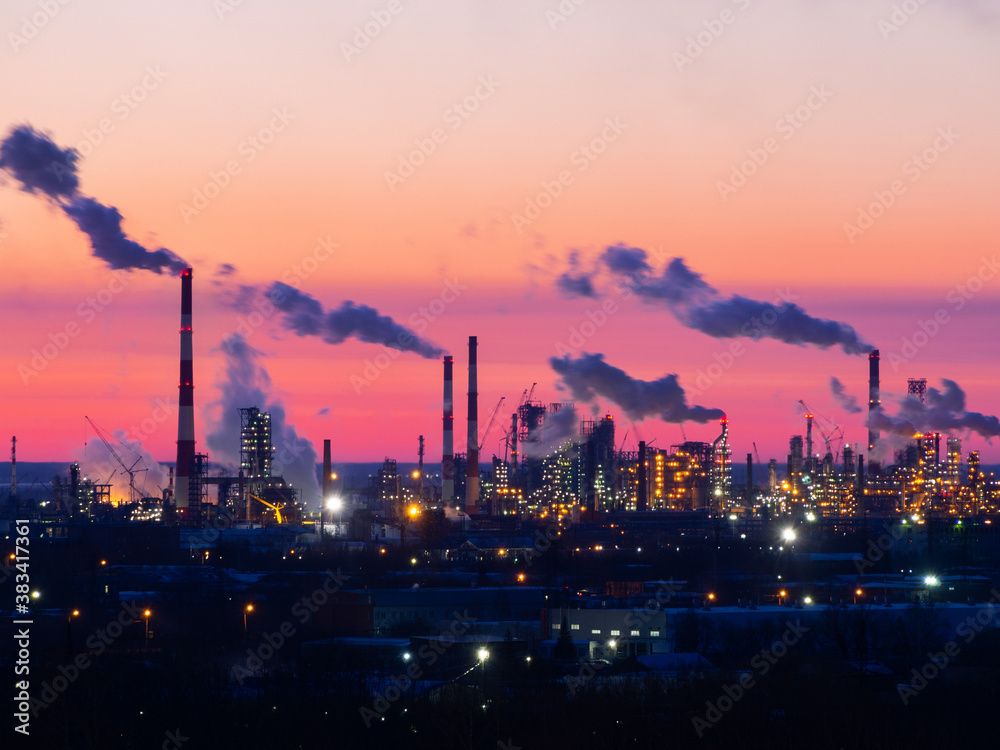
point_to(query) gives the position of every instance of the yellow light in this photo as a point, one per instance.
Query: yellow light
(249, 608)
(859, 592)
(76, 613)
(782, 593)
(147, 613)
(414, 510)
(711, 596)
(520, 576)
(333, 475)
(416, 474)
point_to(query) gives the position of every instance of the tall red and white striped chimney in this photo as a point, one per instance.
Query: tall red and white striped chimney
(185, 411)
(448, 451)
(472, 459)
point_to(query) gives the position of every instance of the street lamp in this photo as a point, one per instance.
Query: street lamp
(246, 610)
(147, 613)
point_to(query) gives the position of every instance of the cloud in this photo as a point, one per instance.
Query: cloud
(698, 305)
(305, 316)
(589, 377)
(42, 167)
(944, 412)
(245, 382)
(847, 402)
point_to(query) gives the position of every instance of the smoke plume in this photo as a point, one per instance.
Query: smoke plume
(558, 428)
(42, 167)
(847, 402)
(589, 377)
(944, 412)
(246, 383)
(305, 316)
(698, 305)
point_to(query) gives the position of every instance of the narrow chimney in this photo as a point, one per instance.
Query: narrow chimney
(327, 473)
(874, 404)
(472, 462)
(448, 451)
(185, 409)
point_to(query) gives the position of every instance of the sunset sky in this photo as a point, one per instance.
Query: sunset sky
(746, 137)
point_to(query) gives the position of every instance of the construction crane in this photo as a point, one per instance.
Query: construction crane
(275, 508)
(760, 465)
(489, 425)
(836, 433)
(128, 469)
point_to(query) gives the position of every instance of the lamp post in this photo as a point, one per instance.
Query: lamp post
(147, 613)
(246, 610)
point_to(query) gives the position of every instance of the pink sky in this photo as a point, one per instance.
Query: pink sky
(655, 186)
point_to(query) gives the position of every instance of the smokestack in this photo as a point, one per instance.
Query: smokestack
(185, 410)
(472, 462)
(749, 483)
(420, 470)
(809, 444)
(874, 404)
(13, 470)
(327, 474)
(641, 491)
(448, 453)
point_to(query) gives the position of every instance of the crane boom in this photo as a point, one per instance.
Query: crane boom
(275, 508)
(128, 469)
(489, 425)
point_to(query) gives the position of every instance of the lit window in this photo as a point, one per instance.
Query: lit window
(556, 626)
(574, 626)
(654, 633)
(635, 633)
(595, 631)
(616, 632)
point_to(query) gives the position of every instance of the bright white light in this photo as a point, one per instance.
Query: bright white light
(406, 656)
(732, 516)
(788, 535)
(808, 600)
(483, 654)
(932, 581)
(334, 504)
(612, 643)
(810, 517)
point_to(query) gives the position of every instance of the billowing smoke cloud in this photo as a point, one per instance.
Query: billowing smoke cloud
(247, 383)
(305, 316)
(589, 377)
(847, 402)
(944, 412)
(42, 167)
(97, 463)
(558, 428)
(698, 305)
(576, 282)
